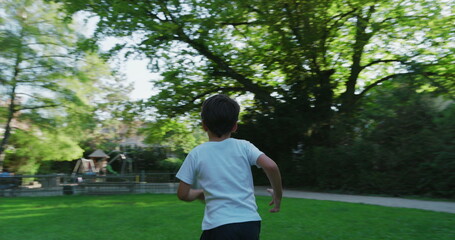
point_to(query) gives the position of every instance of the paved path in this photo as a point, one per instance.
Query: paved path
(437, 206)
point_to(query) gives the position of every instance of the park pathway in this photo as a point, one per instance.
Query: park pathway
(438, 206)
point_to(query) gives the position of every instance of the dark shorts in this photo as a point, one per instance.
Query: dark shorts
(234, 231)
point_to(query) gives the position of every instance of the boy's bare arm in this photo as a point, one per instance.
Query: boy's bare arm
(185, 193)
(273, 174)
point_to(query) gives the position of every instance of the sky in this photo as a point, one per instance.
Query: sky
(135, 70)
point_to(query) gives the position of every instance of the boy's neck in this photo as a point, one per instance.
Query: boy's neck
(215, 138)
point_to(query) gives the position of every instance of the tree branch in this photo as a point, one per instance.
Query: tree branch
(216, 90)
(46, 56)
(154, 16)
(26, 94)
(2, 81)
(37, 107)
(381, 61)
(376, 83)
(248, 84)
(46, 43)
(180, 35)
(240, 23)
(32, 67)
(341, 17)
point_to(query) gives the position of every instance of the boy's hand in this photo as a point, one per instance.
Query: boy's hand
(187, 194)
(275, 201)
(200, 195)
(273, 174)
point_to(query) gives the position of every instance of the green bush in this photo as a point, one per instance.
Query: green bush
(170, 164)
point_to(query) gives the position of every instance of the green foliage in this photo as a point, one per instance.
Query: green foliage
(404, 146)
(312, 69)
(170, 164)
(33, 147)
(52, 89)
(178, 136)
(319, 58)
(303, 50)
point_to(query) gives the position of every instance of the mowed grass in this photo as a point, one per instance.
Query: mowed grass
(159, 217)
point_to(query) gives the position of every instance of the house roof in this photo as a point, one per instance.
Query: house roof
(98, 154)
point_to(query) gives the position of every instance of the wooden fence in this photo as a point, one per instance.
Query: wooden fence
(63, 184)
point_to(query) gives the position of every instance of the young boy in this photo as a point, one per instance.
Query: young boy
(222, 169)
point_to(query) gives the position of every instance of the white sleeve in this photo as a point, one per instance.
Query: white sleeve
(253, 154)
(186, 172)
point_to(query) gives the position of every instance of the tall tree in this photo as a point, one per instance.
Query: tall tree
(306, 62)
(47, 83)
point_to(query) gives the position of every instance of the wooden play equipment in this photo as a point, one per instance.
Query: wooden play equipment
(95, 165)
(85, 166)
(98, 164)
(100, 160)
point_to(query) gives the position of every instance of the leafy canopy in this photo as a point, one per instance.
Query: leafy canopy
(51, 86)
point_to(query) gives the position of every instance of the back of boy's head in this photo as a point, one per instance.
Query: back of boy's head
(220, 113)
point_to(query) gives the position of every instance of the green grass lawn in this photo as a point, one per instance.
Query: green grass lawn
(156, 217)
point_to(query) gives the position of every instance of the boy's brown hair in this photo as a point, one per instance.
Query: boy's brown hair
(220, 113)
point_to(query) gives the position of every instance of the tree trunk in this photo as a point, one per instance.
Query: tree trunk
(11, 108)
(322, 113)
(7, 134)
(2, 159)
(362, 37)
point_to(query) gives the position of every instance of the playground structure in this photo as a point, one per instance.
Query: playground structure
(98, 164)
(125, 161)
(95, 165)
(85, 166)
(101, 173)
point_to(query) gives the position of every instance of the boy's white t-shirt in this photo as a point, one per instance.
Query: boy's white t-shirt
(223, 171)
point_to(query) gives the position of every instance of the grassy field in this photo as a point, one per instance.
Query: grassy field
(159, 217)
